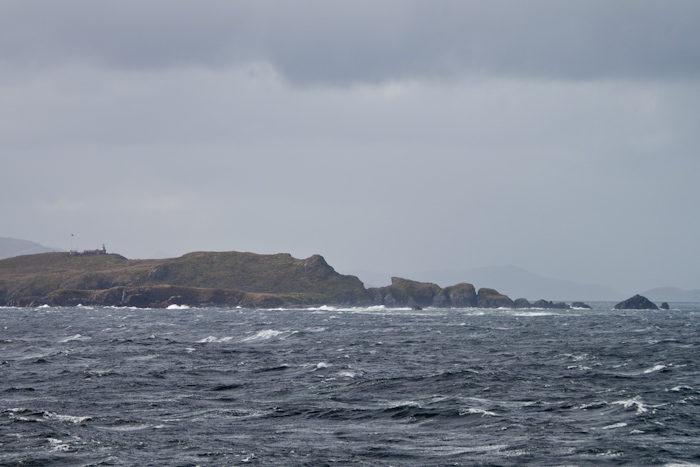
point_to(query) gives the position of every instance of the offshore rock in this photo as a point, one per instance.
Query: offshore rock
(490, 298)
(461, 295)
(581, 305)
(405, 292)
(664, 306)
(522, 303)
(636, 303)
(550, 305)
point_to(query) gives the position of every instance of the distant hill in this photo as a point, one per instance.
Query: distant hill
(11, 247)
(510, 280)
(672, 294)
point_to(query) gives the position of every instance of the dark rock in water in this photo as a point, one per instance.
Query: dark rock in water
(664, 306)
(405, 292)
(522, 303)
(461, 295)
(416, 308)
(636, 303)
(490, 298)
(550, 305)
(580, 305)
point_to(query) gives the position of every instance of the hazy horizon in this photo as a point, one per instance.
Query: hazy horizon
(397, 136)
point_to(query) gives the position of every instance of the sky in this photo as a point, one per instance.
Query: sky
(388, 136)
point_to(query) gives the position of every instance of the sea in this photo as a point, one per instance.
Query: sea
(326, 386)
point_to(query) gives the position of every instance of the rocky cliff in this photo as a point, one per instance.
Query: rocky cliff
(219, 279)
(201, 278)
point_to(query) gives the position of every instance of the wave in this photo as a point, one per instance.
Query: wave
(268, 334)
(655, 368)
(614, 425)
(23, 414)
(633, 403)
(209, 339)
(76, 337)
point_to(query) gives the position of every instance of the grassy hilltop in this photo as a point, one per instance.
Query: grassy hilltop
(199, 278)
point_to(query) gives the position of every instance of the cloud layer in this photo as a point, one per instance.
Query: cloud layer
(399, 136)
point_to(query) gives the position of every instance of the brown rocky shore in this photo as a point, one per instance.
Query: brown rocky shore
(222, 279)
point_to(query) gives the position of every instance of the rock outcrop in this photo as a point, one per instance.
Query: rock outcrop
(462, 295)
(220, 279)
(550, 305)
(636, 303)
(405, 293)
(490, 298)
(580, 305)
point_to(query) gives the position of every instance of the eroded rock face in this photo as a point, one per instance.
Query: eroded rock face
(405, 292)
(636, 303)
(462, 295)
(490, 298)
(158, 273)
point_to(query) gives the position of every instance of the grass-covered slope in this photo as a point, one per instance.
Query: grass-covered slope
(26, 279)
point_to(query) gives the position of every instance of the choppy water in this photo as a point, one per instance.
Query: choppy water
(105, 386)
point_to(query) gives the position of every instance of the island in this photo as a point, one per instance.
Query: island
(227, 279)
(637, 302)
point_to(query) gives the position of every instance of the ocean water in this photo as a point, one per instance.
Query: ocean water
(363, 386)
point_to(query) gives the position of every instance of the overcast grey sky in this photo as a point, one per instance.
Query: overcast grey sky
(561, 137)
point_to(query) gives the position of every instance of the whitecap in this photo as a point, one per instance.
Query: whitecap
(177, 307)
(76, 337)
(214, 339)
(65, 418)
(58, 445)
(268, 334)
(533, 313)
(614, 425)
(322, 366)
(681, 388)
(656, 368)
(634, 402)
(347, 374)
(125, 428)
(477, 411)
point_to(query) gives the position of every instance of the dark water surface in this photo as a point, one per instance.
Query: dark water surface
(375, 387)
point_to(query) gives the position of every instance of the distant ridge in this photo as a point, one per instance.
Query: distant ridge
(672, 294)
(11, 247)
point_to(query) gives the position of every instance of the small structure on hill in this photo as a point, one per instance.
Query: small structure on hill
(103, 251)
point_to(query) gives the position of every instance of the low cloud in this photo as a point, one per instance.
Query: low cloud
(338, 44)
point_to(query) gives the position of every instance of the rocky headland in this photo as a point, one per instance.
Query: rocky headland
(222, 279)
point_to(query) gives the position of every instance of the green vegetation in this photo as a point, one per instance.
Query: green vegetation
(228, 278)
